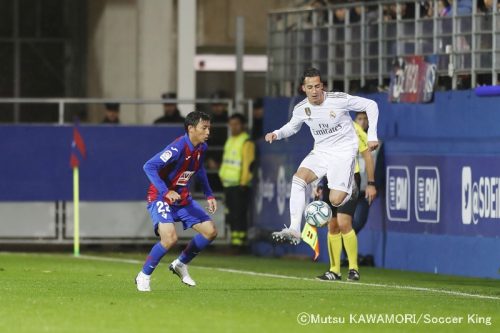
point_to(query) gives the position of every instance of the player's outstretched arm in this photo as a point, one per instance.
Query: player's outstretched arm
(361, 104)
(289, 129)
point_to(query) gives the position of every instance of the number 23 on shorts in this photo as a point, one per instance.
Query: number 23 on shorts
(162, 208)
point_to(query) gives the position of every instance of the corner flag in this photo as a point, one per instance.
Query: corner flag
(310, 236)
(78, 153)
(78, 149)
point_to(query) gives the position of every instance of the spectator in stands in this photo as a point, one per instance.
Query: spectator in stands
(388, 13)
(170, 112)
(488, 6)
(322, 16)
(406, 11)
(443, 8)
(219, 114)
(464, 7)
(236, 176)
(354, 13)
(258, 119)
(112, 113)
(218, 109)
(339, 15)
(426, 9)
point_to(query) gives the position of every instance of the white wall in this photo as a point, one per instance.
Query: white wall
(156, 60)
(131, 54)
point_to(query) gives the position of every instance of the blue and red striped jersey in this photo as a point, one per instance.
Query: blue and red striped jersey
(173, 169)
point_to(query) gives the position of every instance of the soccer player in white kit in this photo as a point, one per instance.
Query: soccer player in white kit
(335, 146)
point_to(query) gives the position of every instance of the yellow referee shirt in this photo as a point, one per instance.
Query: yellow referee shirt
(363, 142)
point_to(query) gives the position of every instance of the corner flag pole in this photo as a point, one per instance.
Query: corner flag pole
(78, 152)
(76, 212)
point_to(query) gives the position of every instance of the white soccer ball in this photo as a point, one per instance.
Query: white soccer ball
(318, 213)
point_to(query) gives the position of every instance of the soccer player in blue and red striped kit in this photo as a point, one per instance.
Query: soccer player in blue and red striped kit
(169, 200)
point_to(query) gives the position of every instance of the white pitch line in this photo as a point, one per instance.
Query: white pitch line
(390, 286)
(279, 276)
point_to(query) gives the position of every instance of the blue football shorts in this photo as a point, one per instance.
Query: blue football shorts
(189, 215)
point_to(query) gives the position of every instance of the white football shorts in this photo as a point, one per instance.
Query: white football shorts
(338, 167)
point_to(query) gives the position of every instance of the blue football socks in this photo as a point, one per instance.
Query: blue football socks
(153, 259)
(195, 246)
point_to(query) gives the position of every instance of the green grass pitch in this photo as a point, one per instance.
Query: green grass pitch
(59, 293)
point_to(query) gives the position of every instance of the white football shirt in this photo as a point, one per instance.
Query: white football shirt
(330, 123)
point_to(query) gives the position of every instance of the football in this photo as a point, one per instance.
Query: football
(318, 213)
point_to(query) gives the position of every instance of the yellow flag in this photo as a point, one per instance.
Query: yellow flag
(310, 236)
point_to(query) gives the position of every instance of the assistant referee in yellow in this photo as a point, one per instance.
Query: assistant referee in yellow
(236, 176)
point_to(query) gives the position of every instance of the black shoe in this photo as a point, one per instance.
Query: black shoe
(353, 275)
(329, 276)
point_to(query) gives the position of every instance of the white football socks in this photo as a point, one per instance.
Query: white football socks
(297, 202)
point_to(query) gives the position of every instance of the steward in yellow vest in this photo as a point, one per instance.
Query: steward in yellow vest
(236, 176)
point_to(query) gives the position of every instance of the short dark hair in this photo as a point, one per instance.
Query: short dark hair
(168, 95)
(112, 107)
(193, 118)
(258, 103)
(310, 72)
(240, 117)
(219, 94)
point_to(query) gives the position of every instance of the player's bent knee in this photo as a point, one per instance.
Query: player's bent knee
(168, 243)
(211, 234)
(168, 240)
(337, 200)
(304, 175)
(206, 229)
(301, 173)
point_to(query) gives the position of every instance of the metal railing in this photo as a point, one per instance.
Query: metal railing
(62, 104)
(354, 43)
